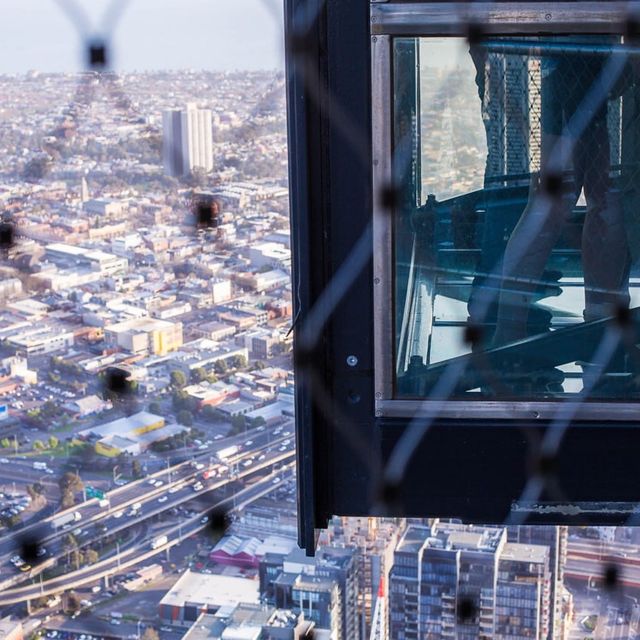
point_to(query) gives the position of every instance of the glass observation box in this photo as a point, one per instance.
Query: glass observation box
(506, 161)
(466, 234)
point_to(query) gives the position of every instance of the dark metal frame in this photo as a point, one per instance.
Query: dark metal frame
(471, 469)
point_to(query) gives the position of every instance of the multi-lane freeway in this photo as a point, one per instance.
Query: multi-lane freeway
(588, 561)
(135, 506)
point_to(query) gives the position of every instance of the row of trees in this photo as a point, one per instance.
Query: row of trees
(51, 443)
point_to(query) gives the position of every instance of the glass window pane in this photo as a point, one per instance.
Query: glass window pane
(515, 236)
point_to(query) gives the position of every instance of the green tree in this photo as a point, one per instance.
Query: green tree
(154, 407)
(53, 442)
(38, 445)
(178, 379)
(13, 521)
(68, 499)
(209, 413)
(5, 443)
(49, 409)
(77, 558)
(72, 602)
(136, 469)
(258, 422)
(220, 367)
(37, 488)
(237, 424)
(185, 417)
(70, 481)
(69, 484)
(150, 634)
(238, 362)
(259, 365)
(91, 556)
(199, 374)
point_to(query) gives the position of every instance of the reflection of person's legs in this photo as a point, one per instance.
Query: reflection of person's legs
(605, 252)
(541, 222)
(529, 248)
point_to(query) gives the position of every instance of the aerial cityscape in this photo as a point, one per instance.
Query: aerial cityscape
(147, 463)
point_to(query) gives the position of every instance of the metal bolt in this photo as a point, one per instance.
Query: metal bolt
(378, 413)
(352, 361)
(376, 281)
(374, 39)
(547, 16)
(378, 395)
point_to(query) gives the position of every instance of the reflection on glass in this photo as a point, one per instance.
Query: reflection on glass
(515, 240)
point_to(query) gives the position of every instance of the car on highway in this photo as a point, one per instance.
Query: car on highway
(202, 447)
(204, 520)
(286, 433)
(259, 429)
(118, 514)
(49, 471)
(282, 448)
(248, 443)
(158, 483)
(199, 466)
(152, 481)
(198, 486)
(4, 460)
(261, 456)
(174, 489)
(163, 498)
(275, 480)
(24, 567)
(247, 463)
(218, 436)
(285, 442)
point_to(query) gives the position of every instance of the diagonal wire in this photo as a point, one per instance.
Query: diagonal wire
(563, 419)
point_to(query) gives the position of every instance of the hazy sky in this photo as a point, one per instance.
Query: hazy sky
(150, 34)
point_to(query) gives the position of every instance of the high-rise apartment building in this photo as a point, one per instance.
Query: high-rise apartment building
(467, 582)
(187, 140)
(556, 539)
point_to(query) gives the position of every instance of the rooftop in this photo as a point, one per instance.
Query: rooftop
(535, 553)
(211, 590)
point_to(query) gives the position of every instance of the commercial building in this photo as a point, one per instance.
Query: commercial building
(68, 256)
(187, 140)
(250, 622)
(271, 254)
(197, 593)
(145, 336)
(212, 393)
(133, 434)
(41, 340)
(447, 568)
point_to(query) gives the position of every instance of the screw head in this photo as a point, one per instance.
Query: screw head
(352, 361)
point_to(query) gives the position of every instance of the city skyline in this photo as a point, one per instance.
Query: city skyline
(240, 35)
